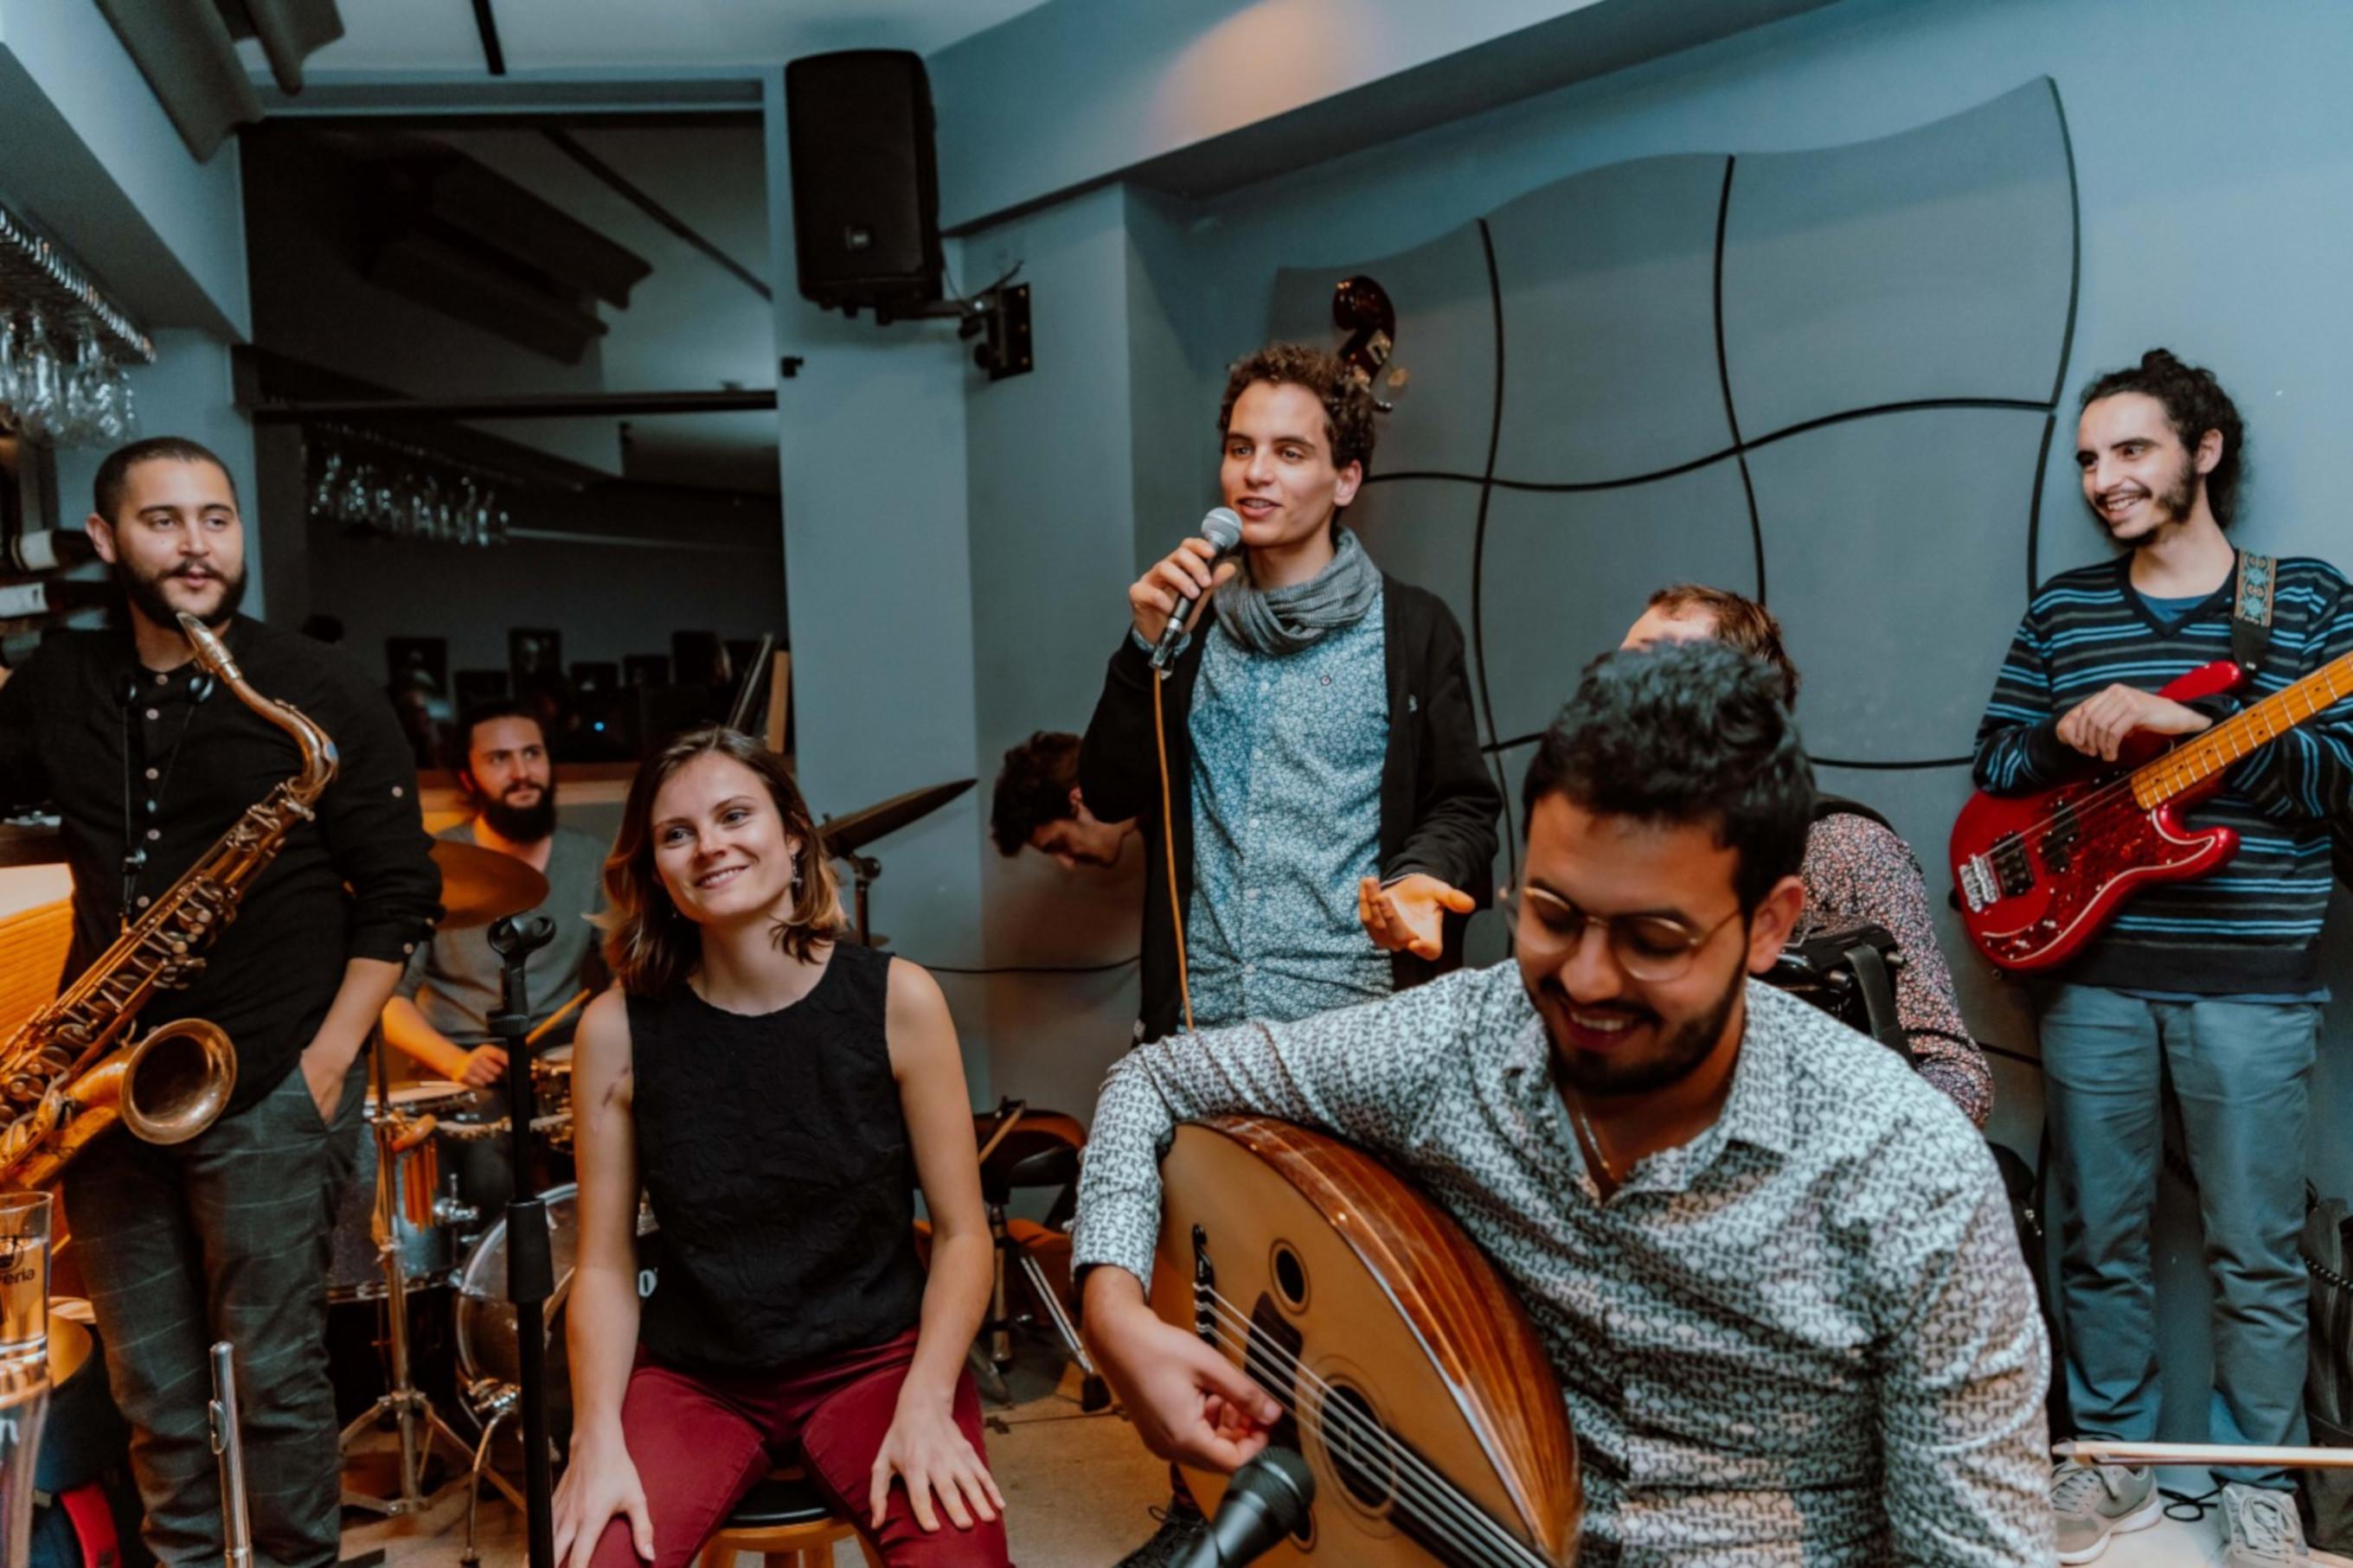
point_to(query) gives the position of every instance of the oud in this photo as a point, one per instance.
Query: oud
(2038, 876)
(1412, 1382)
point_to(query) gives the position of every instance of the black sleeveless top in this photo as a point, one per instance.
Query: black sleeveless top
(778, 1163)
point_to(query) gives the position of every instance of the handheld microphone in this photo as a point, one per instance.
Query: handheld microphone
(1265, 1501)
(1223, 529)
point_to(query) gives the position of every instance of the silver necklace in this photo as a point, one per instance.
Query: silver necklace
(1592, 1138)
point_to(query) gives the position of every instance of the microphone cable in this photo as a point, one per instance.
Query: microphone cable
(1168, 843)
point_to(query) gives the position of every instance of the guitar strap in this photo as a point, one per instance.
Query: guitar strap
(2250, 637)
(2251, 611)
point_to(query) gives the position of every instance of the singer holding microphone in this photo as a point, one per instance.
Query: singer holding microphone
(1330, 823)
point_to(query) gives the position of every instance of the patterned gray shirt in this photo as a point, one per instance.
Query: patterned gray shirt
(1287, 756)
(1808, 1336)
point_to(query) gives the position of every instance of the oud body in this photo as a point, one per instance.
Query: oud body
(1417, 1391)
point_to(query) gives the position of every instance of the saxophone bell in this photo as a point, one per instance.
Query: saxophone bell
(177, 1081)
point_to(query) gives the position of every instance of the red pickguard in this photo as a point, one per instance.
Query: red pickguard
(2038, 876)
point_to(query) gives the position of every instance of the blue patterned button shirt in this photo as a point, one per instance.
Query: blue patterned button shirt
(1287, 756)
(1807, 1336)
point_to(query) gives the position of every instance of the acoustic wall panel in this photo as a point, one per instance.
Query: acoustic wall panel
(1566, 572)
(1936, 264)
(1894, 554)
(1609, 284)
(1424, 531)
(1445, 336)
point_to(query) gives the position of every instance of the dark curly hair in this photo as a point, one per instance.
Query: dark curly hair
(2194, 403)
(1033, 788)
(1347, 400)
(1683, 733)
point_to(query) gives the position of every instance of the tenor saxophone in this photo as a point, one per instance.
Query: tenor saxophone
(70, 1072)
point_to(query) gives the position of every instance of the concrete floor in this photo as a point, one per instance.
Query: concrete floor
(1076, 1488)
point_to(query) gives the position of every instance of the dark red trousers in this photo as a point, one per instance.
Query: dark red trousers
(700, 1443)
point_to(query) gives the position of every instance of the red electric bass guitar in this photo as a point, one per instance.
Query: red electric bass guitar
(2038, 876)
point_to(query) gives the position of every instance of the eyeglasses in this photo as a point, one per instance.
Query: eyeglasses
(1646, 947)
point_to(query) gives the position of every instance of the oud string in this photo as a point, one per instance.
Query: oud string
(1432, 1493)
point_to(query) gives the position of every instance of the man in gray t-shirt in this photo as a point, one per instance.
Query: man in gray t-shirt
(441, 1013)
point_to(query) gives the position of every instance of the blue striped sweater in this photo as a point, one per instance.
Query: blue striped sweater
(2253, 923)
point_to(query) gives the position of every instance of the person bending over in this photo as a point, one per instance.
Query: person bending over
(1856, 870)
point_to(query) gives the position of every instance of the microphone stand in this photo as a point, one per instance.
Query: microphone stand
(531, 1274)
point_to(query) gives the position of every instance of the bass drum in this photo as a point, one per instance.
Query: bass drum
(487, 1346)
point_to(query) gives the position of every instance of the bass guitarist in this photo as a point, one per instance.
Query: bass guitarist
(1774, 1272)
(2213, 982)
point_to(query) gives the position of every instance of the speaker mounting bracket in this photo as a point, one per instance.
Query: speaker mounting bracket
(998, 315)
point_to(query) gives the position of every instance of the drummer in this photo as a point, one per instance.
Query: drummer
(439, 1015)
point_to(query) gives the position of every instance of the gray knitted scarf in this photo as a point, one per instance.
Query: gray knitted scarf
(1284, 620)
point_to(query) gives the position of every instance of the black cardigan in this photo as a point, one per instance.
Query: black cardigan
(1439, 803)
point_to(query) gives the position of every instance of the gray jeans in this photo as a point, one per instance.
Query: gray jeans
(2241, 1072)
(225, 1237)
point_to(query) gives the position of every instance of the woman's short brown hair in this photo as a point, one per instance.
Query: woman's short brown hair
(1740, 621)
(651, 947)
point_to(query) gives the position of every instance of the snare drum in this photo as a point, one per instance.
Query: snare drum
(551, 1078)
(427, 1249)
(488, 1343)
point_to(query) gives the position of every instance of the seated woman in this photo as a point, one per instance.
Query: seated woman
(778, 1093)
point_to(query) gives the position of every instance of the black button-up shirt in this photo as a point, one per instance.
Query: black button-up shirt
(132, 760)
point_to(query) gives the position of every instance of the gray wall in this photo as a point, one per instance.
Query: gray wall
(879, 589)
(2211, 164)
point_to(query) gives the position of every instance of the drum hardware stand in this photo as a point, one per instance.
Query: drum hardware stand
(530, 1270)
(863, 870)
(407, 1404)
(492, 1401)
(1001, 1321)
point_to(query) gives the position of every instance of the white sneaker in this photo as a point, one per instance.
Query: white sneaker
(2092, 1503)
(2260, 1529)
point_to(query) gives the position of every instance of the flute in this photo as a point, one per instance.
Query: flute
(236, 1527)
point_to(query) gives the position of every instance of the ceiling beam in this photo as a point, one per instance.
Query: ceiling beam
(638, 197)
(487, 23)
(549, 405)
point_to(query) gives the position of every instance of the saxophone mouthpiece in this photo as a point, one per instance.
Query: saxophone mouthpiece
(211, 651)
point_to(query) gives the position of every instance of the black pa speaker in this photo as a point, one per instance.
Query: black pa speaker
(866, 187)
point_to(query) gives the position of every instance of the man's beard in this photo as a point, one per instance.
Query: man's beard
(520, 824)
(1678, 1056)
(2167, 506)
(146, 594)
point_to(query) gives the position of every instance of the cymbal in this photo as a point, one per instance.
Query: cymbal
(848, 835)
(479, 885)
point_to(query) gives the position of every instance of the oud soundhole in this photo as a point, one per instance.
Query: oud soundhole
(1362, 1455)
(1290, 1277)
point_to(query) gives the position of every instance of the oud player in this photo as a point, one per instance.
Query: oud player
(1775, 1271)
(2213, 982)
(148, 761)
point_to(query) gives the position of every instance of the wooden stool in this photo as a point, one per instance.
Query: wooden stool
(788, 1523)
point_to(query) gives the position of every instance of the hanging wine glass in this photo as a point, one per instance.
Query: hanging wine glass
(39, 380)
(323, 493)
(9, 355)
(82, 390)
(126, 404)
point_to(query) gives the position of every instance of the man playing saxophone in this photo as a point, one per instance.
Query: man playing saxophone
(148, 758)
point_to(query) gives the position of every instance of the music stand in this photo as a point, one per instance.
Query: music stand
(531, 1274)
